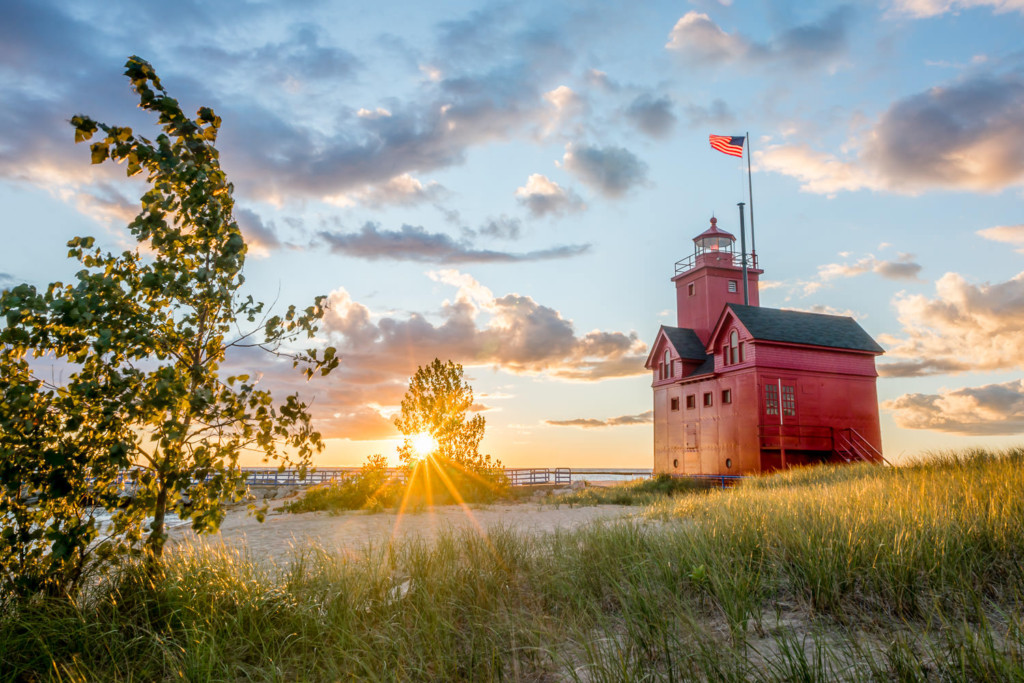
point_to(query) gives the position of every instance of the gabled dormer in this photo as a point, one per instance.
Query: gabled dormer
(730, 342)
(675, 354)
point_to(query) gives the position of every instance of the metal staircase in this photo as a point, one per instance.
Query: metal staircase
(850, 446)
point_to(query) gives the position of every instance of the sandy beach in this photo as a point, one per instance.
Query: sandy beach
(281, 533)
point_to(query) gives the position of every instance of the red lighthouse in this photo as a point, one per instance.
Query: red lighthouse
(741, 389)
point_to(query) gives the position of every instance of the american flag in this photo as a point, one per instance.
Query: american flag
(728, 144)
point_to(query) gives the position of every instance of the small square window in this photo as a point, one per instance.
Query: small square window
(691, 401)
(691, 289)
(732, 286)
(708, 398)
(675, 404)
(726, 395)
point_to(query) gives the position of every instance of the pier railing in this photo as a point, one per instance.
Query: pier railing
(518, 476)
(267, 477)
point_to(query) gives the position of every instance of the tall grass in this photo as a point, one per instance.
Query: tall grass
(637, 492)
(856, 573)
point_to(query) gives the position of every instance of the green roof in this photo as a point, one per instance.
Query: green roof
(797, 327)
(686, 342)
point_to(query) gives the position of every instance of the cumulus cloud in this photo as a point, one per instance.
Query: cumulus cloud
(967, 136)
(652, 115)
(904, 268)
(592, 423)
(920, 9)
(612, 171)
(1008, 234)
(379, 353)
(699, 40)
(965, 327)
(519, 335)
(414, 243)
(567, 105)
(993, 409)
(542, 197)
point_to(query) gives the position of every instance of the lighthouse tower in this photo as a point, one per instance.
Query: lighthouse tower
(742, 389)
(711, 278)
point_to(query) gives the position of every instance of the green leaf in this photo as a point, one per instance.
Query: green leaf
(100, 152)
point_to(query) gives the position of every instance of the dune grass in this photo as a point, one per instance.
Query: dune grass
(855, 573)
(636, 492)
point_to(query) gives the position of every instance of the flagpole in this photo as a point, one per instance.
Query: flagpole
(750, 194)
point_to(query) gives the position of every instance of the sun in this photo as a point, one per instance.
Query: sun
(423, 444)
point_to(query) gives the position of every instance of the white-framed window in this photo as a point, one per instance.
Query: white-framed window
(734, 347)
(732, 286)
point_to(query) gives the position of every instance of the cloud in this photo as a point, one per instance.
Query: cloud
(612, 171)
(920, 9)
(591, 423)
(292, 63)
(1008, 234)
(379, 353)
(966, 327)
(965, 136)
(401, 190)
(519, 336)
(651, 115)
(502, 227)
(491, 80)
(818, 172)
(567, 104)
(700, 41)
(259, 237)
(993, 409)
(717, 113)
(905, 268)
(599, 79)
(542, 197)
(414, 243)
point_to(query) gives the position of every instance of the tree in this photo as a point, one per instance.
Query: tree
(437, 403)
(145, 333)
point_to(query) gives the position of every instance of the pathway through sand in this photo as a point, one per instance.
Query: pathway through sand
(277, 538)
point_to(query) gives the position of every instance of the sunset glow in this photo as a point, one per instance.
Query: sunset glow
(423, 444)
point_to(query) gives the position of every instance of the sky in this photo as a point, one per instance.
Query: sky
(508, 185)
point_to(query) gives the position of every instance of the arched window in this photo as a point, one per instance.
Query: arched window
(668, 364)
(734, 347)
